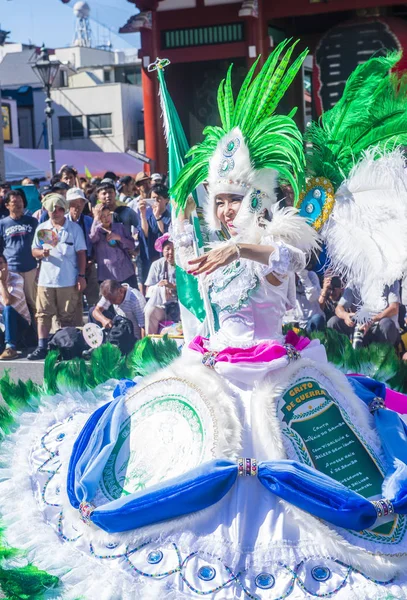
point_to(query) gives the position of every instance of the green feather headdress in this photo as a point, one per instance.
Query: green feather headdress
(372, 114)
(273, 141)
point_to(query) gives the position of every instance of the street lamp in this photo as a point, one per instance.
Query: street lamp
(46, 71)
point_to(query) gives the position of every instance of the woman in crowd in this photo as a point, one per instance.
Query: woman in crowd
(160, 283)
(112, 245)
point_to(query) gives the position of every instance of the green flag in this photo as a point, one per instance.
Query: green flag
(194, 307)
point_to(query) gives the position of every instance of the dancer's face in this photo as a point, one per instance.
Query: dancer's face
(227, 207)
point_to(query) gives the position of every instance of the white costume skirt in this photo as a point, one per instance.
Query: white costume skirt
(249, 545)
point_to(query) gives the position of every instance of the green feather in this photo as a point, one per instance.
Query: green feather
(26, 583)
(18, 396)
(371, 114)
(268, 93)
(148, 357)
(288, 158)
(221, 103)
(275, 98)
(228, 99)
(6, 420)
(72, 374)
(258, 89)
(50, 370)
(241, 98)
(107, 362)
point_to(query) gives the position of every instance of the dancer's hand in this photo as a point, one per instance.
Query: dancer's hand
(216, 258)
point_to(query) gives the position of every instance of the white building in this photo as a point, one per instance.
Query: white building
(97, 98)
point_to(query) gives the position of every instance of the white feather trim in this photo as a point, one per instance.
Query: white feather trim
(288, 226)
(400, 475)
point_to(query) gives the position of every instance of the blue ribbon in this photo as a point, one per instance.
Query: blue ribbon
(297, 483)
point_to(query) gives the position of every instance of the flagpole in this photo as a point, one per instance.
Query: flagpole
(177, 148)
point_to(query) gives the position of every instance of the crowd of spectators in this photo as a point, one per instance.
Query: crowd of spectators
(100, 245)
(104, 245)
(324, 302)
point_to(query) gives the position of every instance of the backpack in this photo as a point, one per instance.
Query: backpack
(69, 342)
(121, 334)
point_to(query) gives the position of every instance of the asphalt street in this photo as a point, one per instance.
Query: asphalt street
(24, 369)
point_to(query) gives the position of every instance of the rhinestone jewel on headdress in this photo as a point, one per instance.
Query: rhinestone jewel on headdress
(256, 201)
(154, 557)
(85, 510)
(231, 147)
(206, 573)
(226, 165)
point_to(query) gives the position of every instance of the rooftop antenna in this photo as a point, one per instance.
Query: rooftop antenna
(83, 33)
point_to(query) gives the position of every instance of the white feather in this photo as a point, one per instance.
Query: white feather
(366, 235)
(395, 481)
(288, 226)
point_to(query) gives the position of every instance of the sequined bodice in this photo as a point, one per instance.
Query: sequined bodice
(249, 308)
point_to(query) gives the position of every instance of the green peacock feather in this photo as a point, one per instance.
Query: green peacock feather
(274, 141)
(371, 114)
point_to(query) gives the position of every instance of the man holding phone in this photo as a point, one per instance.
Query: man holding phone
(60, 245)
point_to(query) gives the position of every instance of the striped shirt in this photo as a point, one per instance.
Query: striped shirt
(15, 286)
(132, 308)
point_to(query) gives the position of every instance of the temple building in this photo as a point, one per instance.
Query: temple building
(201, 38)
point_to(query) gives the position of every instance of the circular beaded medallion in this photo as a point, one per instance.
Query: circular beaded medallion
(264, 581)
(321, 573)
(206, 573)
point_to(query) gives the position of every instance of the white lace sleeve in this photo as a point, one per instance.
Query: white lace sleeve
(182, 236)
(285, 259)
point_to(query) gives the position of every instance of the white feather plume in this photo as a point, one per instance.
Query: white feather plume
(366, 235)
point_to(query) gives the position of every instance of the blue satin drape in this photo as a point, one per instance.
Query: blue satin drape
(298, 484)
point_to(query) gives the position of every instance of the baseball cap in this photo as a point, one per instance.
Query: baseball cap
(123, 181)
(74, 194)
(156, 177)
(60, 185)
(106, 183)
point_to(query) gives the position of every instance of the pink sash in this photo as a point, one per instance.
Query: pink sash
(264, 352)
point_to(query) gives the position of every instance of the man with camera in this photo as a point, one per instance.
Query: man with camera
(383, 326)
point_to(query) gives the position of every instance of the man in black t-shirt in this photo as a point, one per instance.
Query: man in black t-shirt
(16, 237)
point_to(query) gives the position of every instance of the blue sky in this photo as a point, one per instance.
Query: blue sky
(53, 23)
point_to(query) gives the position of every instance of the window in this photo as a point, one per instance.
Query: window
(203, 36)
(63, 78)
(99, 125)
(129, 74)
(70, 127)
(107, 75)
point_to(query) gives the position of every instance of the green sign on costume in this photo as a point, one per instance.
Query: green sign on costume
(323, 436)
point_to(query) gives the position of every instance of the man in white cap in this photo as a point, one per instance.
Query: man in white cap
(77, 202)
(60, 245)
(156, 178)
